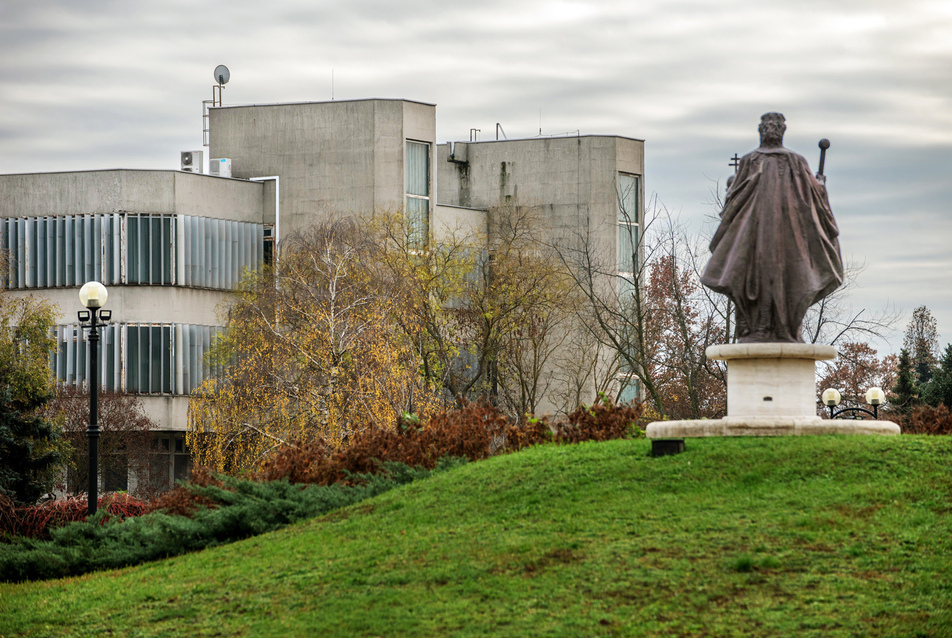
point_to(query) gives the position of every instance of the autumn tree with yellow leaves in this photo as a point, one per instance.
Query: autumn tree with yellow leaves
(358, 324)
(313, 349)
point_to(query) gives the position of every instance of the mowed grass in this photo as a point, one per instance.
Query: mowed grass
(801, 536)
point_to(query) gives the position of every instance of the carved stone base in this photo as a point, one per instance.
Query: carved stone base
(771, 391)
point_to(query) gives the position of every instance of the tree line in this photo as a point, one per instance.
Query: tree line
(355, 324)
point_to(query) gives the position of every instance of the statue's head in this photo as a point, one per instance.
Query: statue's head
(771, 129)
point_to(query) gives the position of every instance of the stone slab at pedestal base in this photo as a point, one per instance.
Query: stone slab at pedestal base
(771, 391)
(766, 426)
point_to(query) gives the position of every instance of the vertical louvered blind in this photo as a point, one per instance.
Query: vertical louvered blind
(138, 358)
(127, 248)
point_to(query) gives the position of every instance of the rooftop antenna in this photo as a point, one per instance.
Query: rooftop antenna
(221, 75)
(332, 84)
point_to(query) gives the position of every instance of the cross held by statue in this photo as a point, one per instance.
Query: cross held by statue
(735, 162)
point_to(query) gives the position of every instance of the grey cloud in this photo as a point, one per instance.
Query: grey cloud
(120, 83)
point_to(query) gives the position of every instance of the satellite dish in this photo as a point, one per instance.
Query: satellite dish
(221, 74)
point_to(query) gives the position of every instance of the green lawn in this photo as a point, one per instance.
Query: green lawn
(800, 536)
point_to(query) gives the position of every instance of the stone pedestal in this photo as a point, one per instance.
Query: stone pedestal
(771, 391)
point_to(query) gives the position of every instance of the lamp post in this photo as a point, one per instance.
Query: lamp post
(874, 397)
(93, 295)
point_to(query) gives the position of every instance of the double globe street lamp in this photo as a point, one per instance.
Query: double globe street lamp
(874, 397)
(93, 296)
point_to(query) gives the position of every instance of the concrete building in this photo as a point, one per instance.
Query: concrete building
(587, 189)
(171, 244)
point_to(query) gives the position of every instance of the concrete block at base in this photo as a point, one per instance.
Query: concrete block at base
(776, 380)
(766, 426)
(666, 447)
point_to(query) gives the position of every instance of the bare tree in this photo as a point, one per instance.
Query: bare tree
(125, 445)
(855, 370)
(646, 306)
(832, 320)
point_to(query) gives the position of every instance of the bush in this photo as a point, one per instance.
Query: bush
(212, 510)
(925, 419)
(243, 508)
(184, 499)
(466, 433)
(475, 431)
(601, 422)
(36, 521)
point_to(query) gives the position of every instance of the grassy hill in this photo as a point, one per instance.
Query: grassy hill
(802, 536)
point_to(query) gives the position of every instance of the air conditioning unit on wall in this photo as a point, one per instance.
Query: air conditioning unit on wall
(192, 161)
(220, 167)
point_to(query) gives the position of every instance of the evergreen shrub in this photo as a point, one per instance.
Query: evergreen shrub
(243, 508)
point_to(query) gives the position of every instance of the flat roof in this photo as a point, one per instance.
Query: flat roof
(368, 99)
(562, 136)
(127, 170)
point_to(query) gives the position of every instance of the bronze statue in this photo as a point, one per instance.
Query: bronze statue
(776, 251)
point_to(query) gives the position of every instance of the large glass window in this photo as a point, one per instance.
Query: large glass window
(137, 358)
(628, 234)
(418, 193)
(628, 222)
(629, 261)
(170, 459)
(128, 248)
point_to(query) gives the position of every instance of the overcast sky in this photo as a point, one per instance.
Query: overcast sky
(119, 84)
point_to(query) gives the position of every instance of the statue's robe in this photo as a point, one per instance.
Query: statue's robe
(776, 251)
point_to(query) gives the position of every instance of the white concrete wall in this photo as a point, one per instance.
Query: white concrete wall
(121, 190)
(572, 178)
(142, 304)
(456, 221)
(170, 413)
(573, 181)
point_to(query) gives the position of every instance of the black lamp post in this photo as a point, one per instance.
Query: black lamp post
(93, 295)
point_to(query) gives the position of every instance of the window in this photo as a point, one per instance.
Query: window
(628, 235)
(629, 389)
(268, 245)
(418, 193)
(628, 223)
(149, 241)
(115, 472)
(629, 261)
(128, 248)
(170, 460)
(69, 359)
(138, 358)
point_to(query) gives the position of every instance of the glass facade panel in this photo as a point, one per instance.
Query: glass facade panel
(418, 193)
(628, 389)
(137, 358)
(628, 198)
(418, 216)
(128, 248)
(418, 169)
(627, 247)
